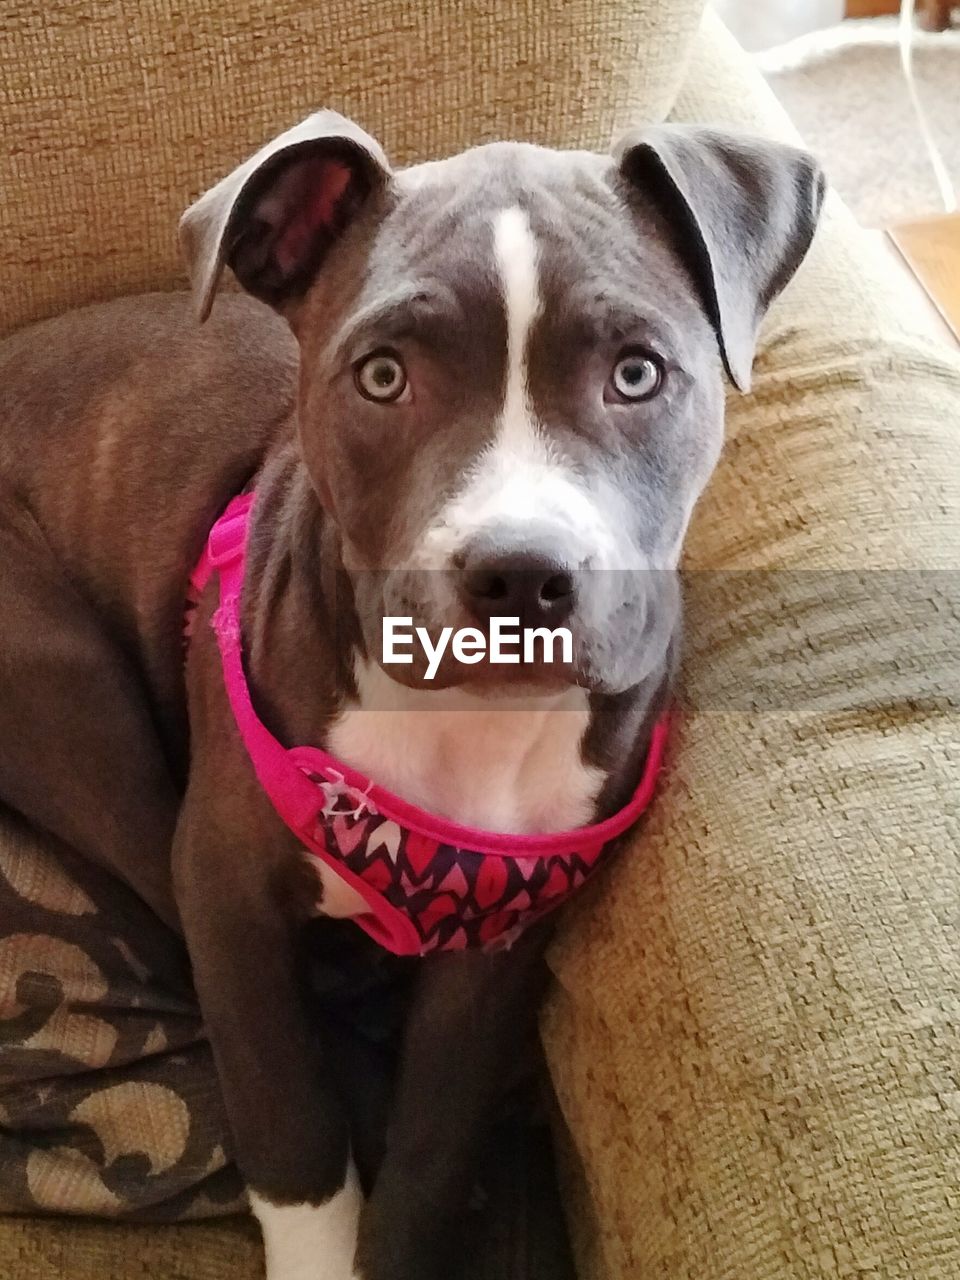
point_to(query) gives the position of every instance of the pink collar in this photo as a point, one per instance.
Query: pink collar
(422, 882)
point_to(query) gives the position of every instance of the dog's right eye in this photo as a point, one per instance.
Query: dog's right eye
(636, 376)
(381, 377)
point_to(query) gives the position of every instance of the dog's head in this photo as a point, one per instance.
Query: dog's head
(512, 363)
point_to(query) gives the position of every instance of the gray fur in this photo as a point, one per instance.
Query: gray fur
(677, 248)
(124, 431)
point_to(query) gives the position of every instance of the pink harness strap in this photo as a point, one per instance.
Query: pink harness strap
(428, 883)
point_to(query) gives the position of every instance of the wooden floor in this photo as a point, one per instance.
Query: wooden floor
(931, 249)
(871, 8)
(934, 15)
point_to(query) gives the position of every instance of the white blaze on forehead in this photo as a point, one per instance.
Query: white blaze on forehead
(520, 475)
(516, 254)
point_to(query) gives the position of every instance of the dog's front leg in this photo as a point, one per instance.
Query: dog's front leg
(290, 1136)
(473, 1017)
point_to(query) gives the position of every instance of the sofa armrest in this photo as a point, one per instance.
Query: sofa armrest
(847, 349)
(755, 1027)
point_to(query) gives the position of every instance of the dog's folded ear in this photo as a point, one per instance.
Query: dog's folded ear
(744, 210)
(274, 218)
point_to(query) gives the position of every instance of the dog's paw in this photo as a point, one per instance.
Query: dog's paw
(311, 1242)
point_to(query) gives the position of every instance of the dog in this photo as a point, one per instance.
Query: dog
(482, 386)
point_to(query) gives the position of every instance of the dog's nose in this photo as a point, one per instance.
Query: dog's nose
(529, 585)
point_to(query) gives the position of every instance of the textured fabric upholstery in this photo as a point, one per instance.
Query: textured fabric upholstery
(66, 1249)
(115, 116)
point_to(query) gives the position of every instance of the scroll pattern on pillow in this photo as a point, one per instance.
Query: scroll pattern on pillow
(109, 1104)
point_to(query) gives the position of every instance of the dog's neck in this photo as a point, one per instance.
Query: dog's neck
(499, 763)
(502, 764)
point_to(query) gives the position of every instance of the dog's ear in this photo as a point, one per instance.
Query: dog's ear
(745, 211)
(274, 218)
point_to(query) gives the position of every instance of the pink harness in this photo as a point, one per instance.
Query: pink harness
(428, 884)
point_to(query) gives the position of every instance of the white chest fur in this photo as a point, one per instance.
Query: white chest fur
(496, 763)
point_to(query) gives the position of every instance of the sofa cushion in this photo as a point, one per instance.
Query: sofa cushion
(116, 116)
(109, 1103)
(59, 1249)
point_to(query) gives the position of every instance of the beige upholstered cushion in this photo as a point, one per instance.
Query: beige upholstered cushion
(756, 1032)
(114, 116)
(65, 1249)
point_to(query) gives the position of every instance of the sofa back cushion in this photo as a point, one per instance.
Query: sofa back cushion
(115, 116)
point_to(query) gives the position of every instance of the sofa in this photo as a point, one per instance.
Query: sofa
(753, 1028)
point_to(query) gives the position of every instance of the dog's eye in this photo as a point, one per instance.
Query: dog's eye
(636, 376)
(381, 377)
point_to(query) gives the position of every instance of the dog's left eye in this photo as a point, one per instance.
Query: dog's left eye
(636, 376)
(381, 377)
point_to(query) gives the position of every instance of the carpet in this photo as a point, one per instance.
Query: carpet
(844, 89)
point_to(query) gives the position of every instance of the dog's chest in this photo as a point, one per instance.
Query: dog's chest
(513, 766)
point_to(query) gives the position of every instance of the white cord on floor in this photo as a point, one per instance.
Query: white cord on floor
(947, 193)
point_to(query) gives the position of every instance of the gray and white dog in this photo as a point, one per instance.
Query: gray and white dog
(503, 393)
